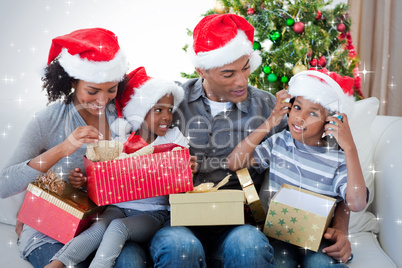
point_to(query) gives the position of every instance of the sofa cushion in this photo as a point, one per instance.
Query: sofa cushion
(367, 252)
(9, 254)
(10, 207)
(360, 123)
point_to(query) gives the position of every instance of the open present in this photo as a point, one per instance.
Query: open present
(299, 217)
(164, 171)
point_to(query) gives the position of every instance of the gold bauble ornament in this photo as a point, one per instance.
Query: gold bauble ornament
(298, 68)
(220, 7)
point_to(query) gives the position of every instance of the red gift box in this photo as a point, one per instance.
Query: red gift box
(62, 217)
(161, 173)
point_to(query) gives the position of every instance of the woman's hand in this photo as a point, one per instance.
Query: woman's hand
(18, 228)
(80, 136)
(76, 178)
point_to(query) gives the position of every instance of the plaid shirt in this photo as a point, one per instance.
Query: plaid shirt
(212, 139)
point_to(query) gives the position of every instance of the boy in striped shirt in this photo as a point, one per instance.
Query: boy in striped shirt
(303, 155)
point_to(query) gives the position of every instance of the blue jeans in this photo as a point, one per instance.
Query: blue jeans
(289, 256)
(41, 256)
(235, 246)
(132, 256)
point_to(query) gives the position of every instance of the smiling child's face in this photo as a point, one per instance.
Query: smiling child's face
(306, 121)
(158, 119)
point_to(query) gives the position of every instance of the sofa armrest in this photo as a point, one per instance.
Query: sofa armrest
(387, 207)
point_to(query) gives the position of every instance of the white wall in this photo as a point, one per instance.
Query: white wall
(151, 32)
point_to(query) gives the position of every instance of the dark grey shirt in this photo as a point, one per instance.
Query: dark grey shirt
(212, 139)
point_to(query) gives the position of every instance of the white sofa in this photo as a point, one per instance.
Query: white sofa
(376, 240)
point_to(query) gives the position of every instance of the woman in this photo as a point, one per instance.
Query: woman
(86, 71)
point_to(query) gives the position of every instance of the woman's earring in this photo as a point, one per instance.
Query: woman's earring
(72, 89)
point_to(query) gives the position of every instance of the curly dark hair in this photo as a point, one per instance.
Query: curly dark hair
(57, 83)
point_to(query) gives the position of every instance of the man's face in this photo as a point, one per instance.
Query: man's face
(227, 83)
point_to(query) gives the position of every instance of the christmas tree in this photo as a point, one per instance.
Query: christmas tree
(295, 35)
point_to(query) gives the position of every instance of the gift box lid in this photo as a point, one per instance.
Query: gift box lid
(72, 200)
(207, 197)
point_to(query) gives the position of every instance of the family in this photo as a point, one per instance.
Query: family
(226, 123)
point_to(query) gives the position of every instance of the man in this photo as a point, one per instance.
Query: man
(218, 111)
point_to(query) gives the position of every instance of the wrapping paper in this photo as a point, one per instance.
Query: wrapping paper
(62, 217)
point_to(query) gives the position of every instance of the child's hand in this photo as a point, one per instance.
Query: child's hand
(193, 164)
(340, 131)
(76, 178)
(282, 107)
(341, 249)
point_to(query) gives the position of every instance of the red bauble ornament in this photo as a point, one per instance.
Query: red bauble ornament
(322, 61)
(319, 14)
(250, 11)
(298, 27)
(313, 62)
(341, 27)
(309, 52)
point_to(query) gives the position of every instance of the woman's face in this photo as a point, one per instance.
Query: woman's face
(92, 98)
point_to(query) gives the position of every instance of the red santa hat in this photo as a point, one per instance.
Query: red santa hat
(329, 89)
(220, 39)
(92, 55)
(141, 94)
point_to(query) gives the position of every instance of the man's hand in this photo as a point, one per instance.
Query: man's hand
(193, 164)
(341, 249)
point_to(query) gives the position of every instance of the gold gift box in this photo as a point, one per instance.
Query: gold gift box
(223, 207)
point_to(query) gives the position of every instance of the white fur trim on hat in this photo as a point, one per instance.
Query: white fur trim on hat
(232, 51)
(92, 71)
(121, 128)
(329, 94)
(146, 96)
